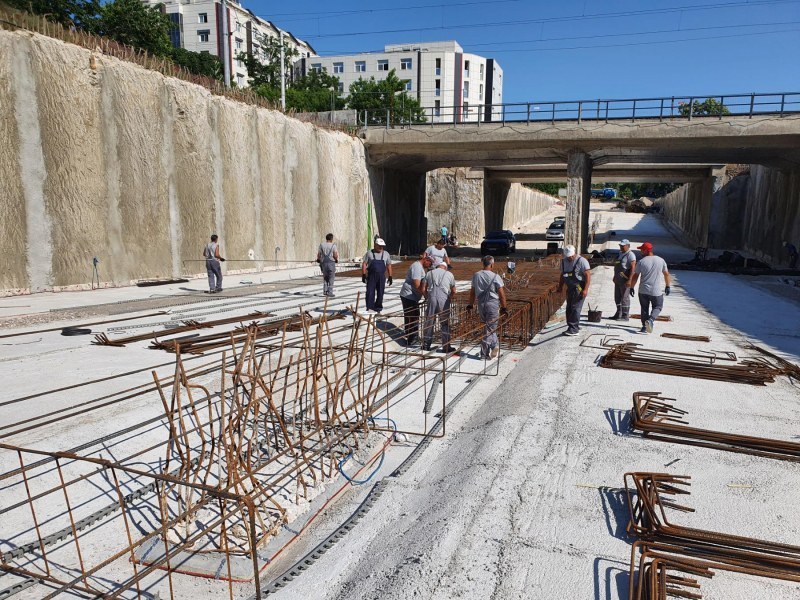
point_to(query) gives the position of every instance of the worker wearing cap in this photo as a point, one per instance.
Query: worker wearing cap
(576, 275)
(440, 289)
(623, 270)
(376, 271)
(487, 290)
(653, 276)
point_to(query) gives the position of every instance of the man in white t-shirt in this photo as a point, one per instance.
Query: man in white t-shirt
(438, 254)
(653, 277)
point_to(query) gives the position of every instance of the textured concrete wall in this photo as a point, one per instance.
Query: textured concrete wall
(510, 205)
(686, 209)
(101, 158)
(454, 198)
(753, 212)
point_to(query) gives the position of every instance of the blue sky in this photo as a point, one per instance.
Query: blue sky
(577, 49)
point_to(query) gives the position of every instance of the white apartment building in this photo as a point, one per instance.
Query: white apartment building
(450, 84)
(199, 29)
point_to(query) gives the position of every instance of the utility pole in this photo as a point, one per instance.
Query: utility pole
(283, 78)
(226, 60)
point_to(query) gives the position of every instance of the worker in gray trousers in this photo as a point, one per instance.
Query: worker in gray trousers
(654, 283)
(213, 258)
(624, 267)
(440, 288)
(487, 290)
(327, 257)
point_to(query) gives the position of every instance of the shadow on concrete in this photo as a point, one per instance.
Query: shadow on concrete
(606, 571)
(615, 510)
(619, 420)
(533, 237)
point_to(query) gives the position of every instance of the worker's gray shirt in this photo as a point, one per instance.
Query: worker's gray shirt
(623, 265)
(651, 278)
(437, 255)
(579, 267)
(326, 252)
(210, 251)
(439, 282)
(382, 255)
(408, 291)
(486, 285)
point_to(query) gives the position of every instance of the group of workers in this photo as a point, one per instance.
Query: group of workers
(429, 277)
(650, 272)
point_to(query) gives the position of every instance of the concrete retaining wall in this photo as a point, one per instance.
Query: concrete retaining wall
(753, 212)
(102, 158)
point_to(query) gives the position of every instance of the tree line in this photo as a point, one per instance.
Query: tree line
(133, 23)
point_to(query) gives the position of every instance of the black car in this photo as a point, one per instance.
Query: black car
(499, 242)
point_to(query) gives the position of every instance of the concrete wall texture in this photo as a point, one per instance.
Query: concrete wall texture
(753, 212)
(102, 158)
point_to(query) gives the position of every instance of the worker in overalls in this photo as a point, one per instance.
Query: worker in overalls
(575, 275)
(440, 289)
(327, 257)
(487, 290)
(376, 271)
(623, 269)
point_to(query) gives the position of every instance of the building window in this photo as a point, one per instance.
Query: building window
(361, 66)
(437, 108)
(341, 87)
(481, 71)
(238, 26)
(408, 85)
(338, 67)
(239, 43)
(383, 65)
(438, 90)
(316, 67)
(405, 64)
(480, 92)
(438, 66)
(202, 35)
(202, 18)
(466, 68)
(466, 89)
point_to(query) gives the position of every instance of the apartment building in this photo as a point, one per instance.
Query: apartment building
(450, 84)
(199, 29)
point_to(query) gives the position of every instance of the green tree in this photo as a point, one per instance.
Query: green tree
(133, 23)
(265, 70)
(199, 63)
(315, 92)
(385, 96)
(82, 14)
(709, 107)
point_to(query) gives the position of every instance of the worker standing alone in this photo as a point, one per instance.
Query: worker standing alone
(376, 271)
(653, 275)
(327, 257)
(440, 289)
(211, 253)
(487, 290)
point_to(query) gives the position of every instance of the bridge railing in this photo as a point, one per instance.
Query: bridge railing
(630, 109)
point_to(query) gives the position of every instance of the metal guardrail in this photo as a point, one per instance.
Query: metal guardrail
(630, 109)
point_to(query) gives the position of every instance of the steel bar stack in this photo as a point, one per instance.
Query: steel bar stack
(667, 548)
(657, 418)
(633, 357)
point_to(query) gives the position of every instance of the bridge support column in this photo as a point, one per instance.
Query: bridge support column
(399, 199)
(495, 194)
(579, 189)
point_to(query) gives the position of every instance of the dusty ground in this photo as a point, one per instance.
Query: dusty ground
(521, 499)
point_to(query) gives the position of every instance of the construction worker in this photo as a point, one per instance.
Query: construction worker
(653, 275)
(487, 290)
(440, 289)
(327, 257)
(411, 293)
(211, 253)
(438, 254)
(443, 232)
(376, 271)
(623, 269)
(576, 275)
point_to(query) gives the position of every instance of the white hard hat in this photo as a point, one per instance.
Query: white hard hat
(380, 242)
(569, 251)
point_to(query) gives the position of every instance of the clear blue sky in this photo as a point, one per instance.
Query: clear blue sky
(577, 49)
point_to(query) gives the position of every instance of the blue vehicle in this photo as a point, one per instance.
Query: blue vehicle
(605, 193)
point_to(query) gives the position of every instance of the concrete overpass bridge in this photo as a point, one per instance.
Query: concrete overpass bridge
(645, 147)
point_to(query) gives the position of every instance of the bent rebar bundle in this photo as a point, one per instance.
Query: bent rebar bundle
(670, 551)
(658, 419)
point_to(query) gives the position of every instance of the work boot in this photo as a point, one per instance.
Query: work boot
(614, 317)
(331, 295)
(447, 349)
(643, 329)
(648, 325)
(426, 346)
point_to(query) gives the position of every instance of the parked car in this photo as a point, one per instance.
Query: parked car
(561, 218)
(499, 242)
(555, 231)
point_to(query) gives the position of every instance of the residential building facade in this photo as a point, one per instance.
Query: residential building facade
(450, 84)
(198, 27)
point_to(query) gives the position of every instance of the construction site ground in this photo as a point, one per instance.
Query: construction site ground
(522, 497)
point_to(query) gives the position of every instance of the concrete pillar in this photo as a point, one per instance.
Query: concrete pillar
(579, 186)
(399, 199)
(495, 194)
